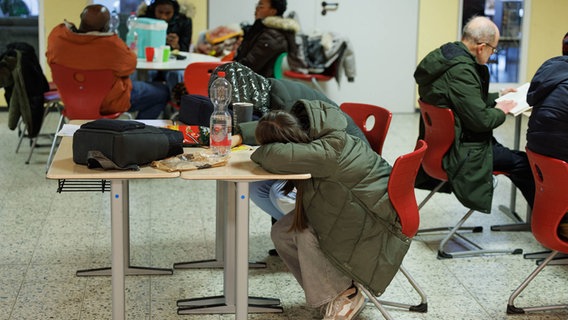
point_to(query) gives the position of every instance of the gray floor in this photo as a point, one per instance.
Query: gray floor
(45, 237)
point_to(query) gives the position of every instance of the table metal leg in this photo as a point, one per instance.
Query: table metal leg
(235, 275)
(119, 196)
(217, 262)
(130, 270)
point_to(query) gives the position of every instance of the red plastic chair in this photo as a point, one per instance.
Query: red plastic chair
(82, 93)
(550, 206)
(440, 134)
(314, 78)
(364, 114)
(401, 194)
(196, 76)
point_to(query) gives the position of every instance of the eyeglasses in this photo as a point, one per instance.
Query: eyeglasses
(494, 50)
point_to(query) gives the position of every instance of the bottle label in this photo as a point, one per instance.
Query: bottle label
(220, 135)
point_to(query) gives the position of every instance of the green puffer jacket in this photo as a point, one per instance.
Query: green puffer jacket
(346, 201)
(450, 77)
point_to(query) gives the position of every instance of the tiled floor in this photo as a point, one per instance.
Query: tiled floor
(45, 237)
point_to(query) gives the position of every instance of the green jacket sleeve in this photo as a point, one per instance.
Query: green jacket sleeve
(283, 158)
(470, 107)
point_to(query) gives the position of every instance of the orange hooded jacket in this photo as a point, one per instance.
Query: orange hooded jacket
(95, 51)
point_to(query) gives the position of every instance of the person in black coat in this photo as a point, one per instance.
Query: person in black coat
(547, 132)
(179, 26)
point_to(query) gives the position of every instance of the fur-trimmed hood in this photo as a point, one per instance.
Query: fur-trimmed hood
(281, 23)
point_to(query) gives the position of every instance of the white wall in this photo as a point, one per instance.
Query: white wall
(383, 34)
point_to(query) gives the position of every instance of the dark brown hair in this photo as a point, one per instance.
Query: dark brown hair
(281, 126)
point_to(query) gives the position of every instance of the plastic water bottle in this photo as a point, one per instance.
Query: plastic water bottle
(220, 123)
(132, 36)
(114, 22)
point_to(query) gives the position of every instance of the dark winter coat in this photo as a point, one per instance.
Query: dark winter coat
(547, 132)
(264, 41)
(24, 84)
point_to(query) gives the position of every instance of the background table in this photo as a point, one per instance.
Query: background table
(173, 64)
(233, 196)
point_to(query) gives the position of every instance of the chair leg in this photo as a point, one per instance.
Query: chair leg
(22, 134)
(512, 309)
(375, 301)
(54, 142)
(474, 229)
(34, 140)
(422, 307)
(474, 250)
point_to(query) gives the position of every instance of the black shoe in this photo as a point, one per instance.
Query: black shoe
(273, 253)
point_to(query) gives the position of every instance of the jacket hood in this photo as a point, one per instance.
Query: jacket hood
(553, 72)
(286, 24)
(437, 62)
(323, 117)
(83, 38)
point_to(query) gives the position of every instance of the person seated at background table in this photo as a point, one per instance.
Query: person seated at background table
(455, 76)
(180, 26)
(93, 47)
(268, 37)
(346, 200)
(178, 34)
(547, 132)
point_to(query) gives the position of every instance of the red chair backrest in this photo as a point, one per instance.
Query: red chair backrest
(550, 199)
(401, 188)
(82, 91)
(196, 76)
(439, 135)
(381, 119)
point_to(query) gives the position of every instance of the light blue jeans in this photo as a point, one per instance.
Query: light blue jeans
(300, 252)
(268, 196)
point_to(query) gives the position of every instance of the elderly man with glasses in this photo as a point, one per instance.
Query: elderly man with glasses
(455, 76)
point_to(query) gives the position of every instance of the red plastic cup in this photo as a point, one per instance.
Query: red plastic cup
(149, 54)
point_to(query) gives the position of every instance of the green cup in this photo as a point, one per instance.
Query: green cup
(166, 55)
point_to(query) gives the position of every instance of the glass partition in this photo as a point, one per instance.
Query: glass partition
(508, 16)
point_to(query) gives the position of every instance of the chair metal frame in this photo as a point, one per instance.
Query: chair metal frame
(401, 194)
(550, 206)
(373, 120)
(52, 102)
(440, 134)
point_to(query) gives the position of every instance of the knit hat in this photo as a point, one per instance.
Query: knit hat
(565, 45)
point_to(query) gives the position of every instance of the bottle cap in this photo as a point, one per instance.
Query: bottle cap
(221, 74)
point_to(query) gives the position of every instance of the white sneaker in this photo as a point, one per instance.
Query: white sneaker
(346, 306)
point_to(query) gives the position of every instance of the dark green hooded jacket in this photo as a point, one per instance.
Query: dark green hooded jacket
(346, 200)
(450, 77)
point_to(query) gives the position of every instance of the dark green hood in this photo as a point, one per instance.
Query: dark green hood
(323, 118)
(437, 62)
